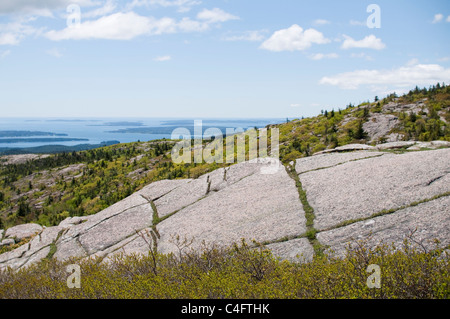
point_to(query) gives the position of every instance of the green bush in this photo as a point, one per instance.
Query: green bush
(239, 271)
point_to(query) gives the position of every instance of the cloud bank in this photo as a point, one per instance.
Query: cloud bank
(406, 76)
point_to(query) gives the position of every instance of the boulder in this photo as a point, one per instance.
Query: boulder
(23, 231)
(440, 144)
(33, 251)
(348, 148)
(72, 221)
(419, 146)
(395, 145)
(429, 145)
(7, 242)
(353, 147)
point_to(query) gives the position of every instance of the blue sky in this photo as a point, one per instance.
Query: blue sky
(214, 58)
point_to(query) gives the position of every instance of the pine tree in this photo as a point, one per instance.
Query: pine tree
(24, 209)
(360, 133)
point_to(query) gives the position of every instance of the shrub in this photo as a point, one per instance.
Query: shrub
(240, 271)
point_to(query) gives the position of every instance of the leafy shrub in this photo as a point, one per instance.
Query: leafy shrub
(239, 271)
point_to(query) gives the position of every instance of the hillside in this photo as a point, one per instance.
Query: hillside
(420, 115)
(352, 184)
(48, 189)
(313, 227)
(348, 195)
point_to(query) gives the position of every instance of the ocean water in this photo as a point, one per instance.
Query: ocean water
(97, 130)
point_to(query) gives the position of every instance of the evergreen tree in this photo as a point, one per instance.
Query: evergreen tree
(360, 133)
(23, 209)
(412, 117)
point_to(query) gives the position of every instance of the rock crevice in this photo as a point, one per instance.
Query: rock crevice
(356, 192)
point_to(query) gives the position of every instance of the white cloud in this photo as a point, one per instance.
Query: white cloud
(189, 25)
(369, 42)
(438, 18)
(321, 22)
(129, 25)
(12, 33)
(4, 54)
(215, 15)
(406, 76)
(107, 8)
(448, 19)
(293, 39)
(320, 56)
(163, 58)
(252, 36)
(117, 26)
(9, 39)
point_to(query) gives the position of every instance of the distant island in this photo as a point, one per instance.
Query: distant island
(71, 120)
(245, 122)
(28, 133)
(122, 123)
(51, 149)
(166, 129)
(40, 140)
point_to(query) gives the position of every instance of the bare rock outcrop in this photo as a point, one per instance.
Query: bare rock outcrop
(379, 125)
(257, 207)
(22, 231)
(365, 187)
(421, 224)
(355, 191)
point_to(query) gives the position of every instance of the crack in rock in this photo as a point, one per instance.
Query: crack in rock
(435, 179)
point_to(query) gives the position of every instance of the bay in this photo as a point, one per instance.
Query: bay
(124, 130)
